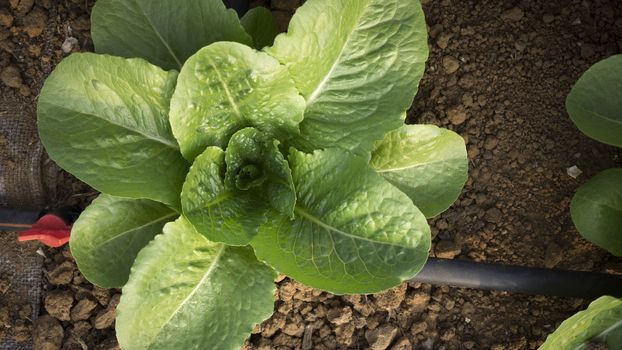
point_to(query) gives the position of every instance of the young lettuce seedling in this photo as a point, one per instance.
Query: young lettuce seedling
(219, 163)
(595, 106)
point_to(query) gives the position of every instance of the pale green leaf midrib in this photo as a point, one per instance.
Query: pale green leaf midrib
(203, 279)
(160, 140)
(225, 195)
(590, 199)
(157, 33)
(597, 114)
(417, 165)
(319, 89)
(602, 335)
(112, 239)
(227, 91)
(310, 217)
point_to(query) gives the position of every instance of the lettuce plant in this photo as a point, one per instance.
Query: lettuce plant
(595, 106)
(220, 163)
(597, 327)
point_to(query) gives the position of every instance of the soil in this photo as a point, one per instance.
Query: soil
(498, 75)
(18, 264)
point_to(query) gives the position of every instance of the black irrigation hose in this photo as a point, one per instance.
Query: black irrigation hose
(240, 6)
(457, 273)
(517, 279)
(17, 220)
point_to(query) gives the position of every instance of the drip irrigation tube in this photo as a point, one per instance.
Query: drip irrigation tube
(456, 273)
(518, 279)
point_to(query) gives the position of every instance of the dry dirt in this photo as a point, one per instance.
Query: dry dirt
(498, 75)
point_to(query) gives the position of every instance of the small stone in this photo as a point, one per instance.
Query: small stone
(553, 255)
(380, 338)
(402, 344)
(339, 316)
(24, 90)
(82, 310)
(491, 143)
(48, 333)
(70, 44)
(5, 317)
(493, 215)
(418, 328)
(11, 77)
(58, 304)
(101, 294)
(105, 318)
(287, 291)
(419, 301)
(548, 19)
(307, 338)
(443, 40)
(344, 333)
(81, 328)
(574, 171)
(457, 115)
(62, 274)
(22, 7)
(270, 327)
(6, 19)
(5, 283)
(391, 299)
(446, 250)
(294, 329)
(450, 64)
(514, 14)
(35, 22)
(472, 152)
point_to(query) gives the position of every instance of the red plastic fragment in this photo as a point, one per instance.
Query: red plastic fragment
(50, 230)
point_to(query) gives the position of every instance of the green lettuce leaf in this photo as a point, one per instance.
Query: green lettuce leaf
(221, 213)
(226, 87)
(358, 64)
(595, 102)
(353, 231)
(426, 162)
(105, 120)
(600, 323)
(253, 160)
(261, 26)
(109, 234)
(164, 32)
(186, 292)
(596, 210)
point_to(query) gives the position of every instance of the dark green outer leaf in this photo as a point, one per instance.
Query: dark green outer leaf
(353, 231)
(186, 292)
(596, 210)
(260, 24)
(358, 64)
(220, 213)
(105, 120)
(600, 323)
(164, 32)
(426, 162)
(595, 102)
(109, 234)
(226, 87)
